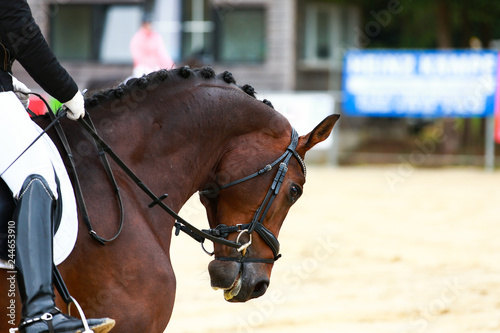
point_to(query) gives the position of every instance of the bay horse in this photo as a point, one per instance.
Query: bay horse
(181, 131)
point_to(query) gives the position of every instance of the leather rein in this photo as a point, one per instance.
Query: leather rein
(218, 234)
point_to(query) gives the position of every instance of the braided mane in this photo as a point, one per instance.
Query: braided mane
(155, 78)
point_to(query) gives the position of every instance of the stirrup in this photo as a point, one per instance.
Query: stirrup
(47, 318)
(82, 315)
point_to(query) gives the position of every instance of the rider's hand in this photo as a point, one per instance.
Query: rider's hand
(21, 92)
(76, 107)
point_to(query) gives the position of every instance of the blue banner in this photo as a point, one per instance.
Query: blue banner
(420, 83)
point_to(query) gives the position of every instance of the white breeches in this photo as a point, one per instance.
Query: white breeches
(17, 132)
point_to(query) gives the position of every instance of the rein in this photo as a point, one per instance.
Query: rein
(78, 191)
(180, 223)
(221, 232)
(218, 234)
(72, 169)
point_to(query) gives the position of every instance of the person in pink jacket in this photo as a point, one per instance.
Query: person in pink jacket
(148, 50)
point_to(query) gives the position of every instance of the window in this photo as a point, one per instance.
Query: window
(328, 32)
(94, 32)
(115, 42)
(241, 35)
(71, 32)
(224, 34)
(197, 29)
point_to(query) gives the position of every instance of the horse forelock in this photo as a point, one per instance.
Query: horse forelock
(154, 79)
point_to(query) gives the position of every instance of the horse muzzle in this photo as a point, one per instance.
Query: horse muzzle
(239, 281)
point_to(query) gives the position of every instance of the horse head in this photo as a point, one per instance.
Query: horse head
(244, 158)
(249, 207)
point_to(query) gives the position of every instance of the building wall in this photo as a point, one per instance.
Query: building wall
(283, 68)
(277, 72)
(312, 71)
(86, 74)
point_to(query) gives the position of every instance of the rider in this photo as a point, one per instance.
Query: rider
(31, 178)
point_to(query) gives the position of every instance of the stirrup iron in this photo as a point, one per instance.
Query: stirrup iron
(82, 315)
(47, 317)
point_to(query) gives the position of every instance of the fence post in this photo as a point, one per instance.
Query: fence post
(489, 144)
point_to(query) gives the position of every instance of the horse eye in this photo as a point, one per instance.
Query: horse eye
(295, 192)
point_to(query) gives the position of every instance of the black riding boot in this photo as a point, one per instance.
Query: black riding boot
(34, 260)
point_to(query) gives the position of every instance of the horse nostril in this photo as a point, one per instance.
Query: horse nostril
(260, 288)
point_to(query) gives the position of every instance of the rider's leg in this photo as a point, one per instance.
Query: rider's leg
(34, 235)
(32, 181)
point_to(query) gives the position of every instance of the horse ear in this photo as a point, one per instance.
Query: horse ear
(318, 134)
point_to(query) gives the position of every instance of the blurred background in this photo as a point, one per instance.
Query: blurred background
(403, 237)
(285, 49)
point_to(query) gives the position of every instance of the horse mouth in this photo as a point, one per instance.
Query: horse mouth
(239, 282)
(233, 290)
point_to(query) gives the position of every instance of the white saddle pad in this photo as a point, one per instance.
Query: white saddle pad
(65, 237)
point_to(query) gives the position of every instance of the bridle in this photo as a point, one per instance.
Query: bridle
(218, 234)
(257, 223)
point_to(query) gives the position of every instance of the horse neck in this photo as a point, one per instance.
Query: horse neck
(176, 140)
